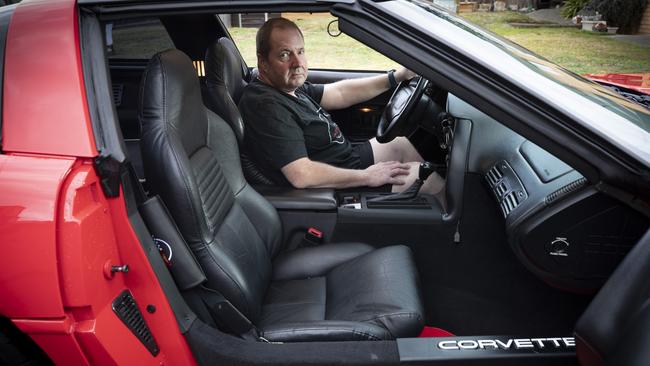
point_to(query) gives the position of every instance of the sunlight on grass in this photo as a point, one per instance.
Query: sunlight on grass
(578, 51)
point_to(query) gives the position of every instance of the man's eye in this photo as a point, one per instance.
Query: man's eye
(284, 55)
(301, 51)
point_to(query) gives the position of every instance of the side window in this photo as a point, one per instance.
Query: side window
(136, 38)
(323, 51)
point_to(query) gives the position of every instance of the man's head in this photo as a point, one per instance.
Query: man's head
(281, 55)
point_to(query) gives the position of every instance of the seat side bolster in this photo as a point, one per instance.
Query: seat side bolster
(315, 261)
(325, 330)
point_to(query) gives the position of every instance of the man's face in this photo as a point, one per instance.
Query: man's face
(285, 67)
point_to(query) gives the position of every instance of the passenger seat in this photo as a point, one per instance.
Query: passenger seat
(332, 292)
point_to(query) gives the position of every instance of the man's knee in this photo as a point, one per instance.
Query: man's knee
(399, 149)
(407, 151)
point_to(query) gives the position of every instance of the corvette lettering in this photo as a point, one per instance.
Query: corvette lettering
(519, 343)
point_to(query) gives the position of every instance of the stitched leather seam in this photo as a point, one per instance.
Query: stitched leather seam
(241, 292)
(171, 146)
(342, 330)
(395, 315)
(295, 303)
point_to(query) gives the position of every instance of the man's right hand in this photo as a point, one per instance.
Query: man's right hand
(386, 172)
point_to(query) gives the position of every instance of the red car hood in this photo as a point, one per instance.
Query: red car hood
(638, 82)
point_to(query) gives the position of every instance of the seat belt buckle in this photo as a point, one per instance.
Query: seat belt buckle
(314, 236)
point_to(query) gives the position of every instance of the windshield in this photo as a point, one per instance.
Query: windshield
(600, 109)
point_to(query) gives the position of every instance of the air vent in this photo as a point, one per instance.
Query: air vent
(500, 189)
(494, 175)
(127, 310)
(118, 90)
(565, 190)
(509, 203)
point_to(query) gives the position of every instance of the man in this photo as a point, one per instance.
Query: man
(289, 130)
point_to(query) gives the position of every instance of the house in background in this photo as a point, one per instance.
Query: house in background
(242, 20)
(644, 28)
(462, 6)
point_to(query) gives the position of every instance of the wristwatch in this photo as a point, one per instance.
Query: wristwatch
(391, 78)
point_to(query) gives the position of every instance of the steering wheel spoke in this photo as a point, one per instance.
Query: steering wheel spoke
(401, 104)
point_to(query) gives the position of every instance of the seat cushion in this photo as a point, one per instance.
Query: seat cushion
(372, 296)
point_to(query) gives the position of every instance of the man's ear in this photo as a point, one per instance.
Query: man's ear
(262, 64)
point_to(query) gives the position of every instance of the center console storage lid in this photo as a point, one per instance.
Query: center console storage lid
(287, 198)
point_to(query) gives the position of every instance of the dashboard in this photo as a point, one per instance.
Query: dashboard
(558, 225)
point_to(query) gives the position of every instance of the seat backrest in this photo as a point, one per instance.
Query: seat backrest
(615, 328)
(191, 160)
(226, 76)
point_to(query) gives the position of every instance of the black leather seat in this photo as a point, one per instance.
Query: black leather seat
(226, 76)
(343, 291)
(615, 328)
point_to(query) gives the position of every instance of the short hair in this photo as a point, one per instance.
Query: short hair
(263, 38)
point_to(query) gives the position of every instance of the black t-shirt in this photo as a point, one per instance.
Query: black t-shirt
(280, 128)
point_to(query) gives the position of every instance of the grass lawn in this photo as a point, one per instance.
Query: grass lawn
(581, 52)
(578, 51)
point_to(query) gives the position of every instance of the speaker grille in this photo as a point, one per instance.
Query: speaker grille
(127, 310)
(566, 189)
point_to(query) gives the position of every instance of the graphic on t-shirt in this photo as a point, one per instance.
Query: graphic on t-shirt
(333, 129)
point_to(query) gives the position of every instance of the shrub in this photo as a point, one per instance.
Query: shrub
(625, 14)
(572, 7)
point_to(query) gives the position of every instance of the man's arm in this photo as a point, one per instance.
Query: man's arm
(305, 173)
(345, 93)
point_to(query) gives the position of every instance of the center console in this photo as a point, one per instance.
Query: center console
(325, 209)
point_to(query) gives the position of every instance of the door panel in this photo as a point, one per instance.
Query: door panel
(358, 122)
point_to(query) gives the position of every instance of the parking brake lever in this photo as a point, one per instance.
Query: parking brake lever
(426, 169)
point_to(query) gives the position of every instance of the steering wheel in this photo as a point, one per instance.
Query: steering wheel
(400, 106)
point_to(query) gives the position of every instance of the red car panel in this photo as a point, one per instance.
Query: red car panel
(60, 234)
(56, 338)
(42, 55)
(30, 186)
(638, 82)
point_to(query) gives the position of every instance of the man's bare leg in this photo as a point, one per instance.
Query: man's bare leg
(400, 149)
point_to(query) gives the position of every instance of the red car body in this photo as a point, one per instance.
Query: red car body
(638, 82)
(60, 234)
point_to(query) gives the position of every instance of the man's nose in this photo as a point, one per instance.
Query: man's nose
(297, 59)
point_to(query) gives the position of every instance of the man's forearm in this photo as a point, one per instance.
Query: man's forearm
(305, 173)
(345, 93)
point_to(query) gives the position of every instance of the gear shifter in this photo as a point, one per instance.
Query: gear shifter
(426, 169)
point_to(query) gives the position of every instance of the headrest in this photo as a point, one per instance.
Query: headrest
(225, 66)
(171, 100)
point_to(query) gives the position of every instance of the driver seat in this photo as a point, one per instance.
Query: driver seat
(331, 292)
(226, 76)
